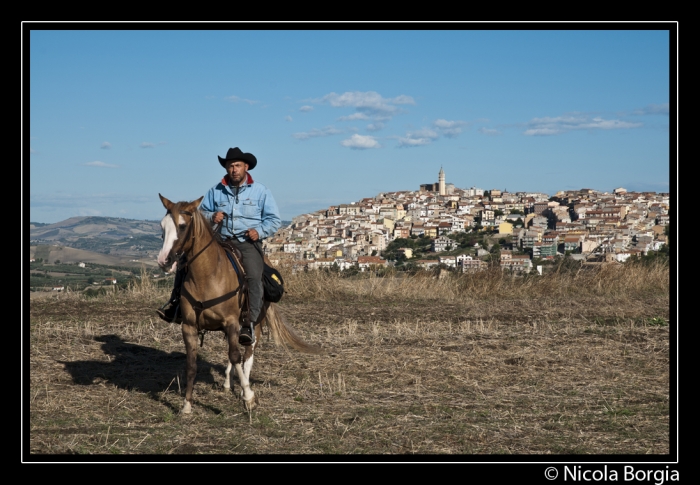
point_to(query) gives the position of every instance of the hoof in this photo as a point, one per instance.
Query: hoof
(186, 408)
(250, 405)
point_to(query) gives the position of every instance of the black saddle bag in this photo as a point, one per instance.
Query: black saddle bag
(273, 285)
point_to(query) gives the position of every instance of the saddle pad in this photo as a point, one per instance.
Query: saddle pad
(234, 263)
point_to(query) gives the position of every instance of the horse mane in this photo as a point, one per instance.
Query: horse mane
(201, 224)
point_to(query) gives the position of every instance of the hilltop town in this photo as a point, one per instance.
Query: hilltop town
(585, 224)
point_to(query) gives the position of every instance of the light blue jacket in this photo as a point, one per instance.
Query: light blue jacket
(253, 207)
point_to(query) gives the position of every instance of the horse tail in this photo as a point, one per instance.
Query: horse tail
(283, 334)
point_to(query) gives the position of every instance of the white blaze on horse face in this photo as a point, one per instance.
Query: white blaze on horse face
(169, 238)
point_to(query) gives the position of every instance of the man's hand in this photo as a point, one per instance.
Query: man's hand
(218, 217)
(252, 234)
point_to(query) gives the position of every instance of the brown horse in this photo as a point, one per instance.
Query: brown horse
(211, 298)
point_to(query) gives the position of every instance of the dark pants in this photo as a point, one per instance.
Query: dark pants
(253, 265)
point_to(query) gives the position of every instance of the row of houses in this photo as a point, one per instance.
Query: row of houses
(581, 221)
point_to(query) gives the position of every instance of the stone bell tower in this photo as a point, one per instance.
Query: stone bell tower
(441, 181)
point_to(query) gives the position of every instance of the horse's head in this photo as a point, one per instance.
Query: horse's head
(176, 225)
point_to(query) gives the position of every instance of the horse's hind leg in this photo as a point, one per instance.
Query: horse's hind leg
(234, 357)
(243, 370)
(248, 360)
(248, 353)
(189, 335)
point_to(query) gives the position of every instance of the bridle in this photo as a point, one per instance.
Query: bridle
(180, 253)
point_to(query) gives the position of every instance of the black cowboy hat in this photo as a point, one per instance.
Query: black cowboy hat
(237, 154)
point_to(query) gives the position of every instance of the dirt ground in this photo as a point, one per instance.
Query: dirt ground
(398, 377)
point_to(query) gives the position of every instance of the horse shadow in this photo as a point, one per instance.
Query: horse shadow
(139, 368)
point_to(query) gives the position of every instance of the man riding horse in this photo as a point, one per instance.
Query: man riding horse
(247, 214)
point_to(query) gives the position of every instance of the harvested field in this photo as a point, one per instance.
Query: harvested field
(577, 365)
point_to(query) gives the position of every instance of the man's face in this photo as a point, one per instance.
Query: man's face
(236, 170)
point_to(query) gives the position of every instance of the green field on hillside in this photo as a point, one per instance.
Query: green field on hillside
(43, 275)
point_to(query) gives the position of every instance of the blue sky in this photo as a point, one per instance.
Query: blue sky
(114, 116)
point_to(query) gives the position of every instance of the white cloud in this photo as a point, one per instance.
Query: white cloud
(315, 133)
(62, 200)
(490, 131)
(353, 117)
(236, 99)
(420, 137)
(288, 118)
(147, 144)
(423, 133)
(450, 129)
(106, 145)
(306, 108)
(653, 109)
(602, 124)
(542, 131)
(413, 142)
(563, 124)
(97, 163)
(375, 126)
(403, 99)
(361, 142)
(369, 102)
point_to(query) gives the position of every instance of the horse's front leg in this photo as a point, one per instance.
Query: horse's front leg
(189, 335)
(227, 381)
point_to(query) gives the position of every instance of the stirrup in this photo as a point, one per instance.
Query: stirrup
(171, 314)
(246, 336)
(174, 300)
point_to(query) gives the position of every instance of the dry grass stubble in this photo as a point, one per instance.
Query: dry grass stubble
(542, 366)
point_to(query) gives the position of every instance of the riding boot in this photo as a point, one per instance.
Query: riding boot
(170, 312)
(255, 296)
(246, 333)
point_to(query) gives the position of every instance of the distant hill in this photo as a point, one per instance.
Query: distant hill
(103, 240)
(90, 226)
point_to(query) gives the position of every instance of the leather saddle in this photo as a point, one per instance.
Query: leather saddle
(235, 256)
